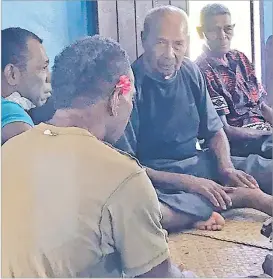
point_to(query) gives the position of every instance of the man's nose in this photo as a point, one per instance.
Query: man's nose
(48, 77)
(221, 34)
(169, 53)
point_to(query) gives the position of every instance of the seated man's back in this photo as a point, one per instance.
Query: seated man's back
(68, 201)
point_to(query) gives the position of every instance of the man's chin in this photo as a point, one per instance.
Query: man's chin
(41, 102)
(167, 74)
(224, 50)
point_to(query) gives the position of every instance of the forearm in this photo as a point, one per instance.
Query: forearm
(220, 148)
(169, 180)
(267, 112)
(13, 129)
(239, 133)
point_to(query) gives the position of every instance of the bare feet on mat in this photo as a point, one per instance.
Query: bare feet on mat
(215, 223)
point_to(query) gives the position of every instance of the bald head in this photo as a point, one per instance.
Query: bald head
(165, 13)
(165, 39)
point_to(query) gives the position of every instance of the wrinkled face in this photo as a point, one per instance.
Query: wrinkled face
(35, 79)
(122, 108)
(218, 32)
(166, 43)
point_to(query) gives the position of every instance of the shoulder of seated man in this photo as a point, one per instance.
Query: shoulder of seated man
(126, 159)
(189, 66)
(236, 54)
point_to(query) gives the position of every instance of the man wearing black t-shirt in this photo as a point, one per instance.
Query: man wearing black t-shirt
(172, 110)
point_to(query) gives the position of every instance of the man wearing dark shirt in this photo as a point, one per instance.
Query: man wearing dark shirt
(232, 84)
(172, 109)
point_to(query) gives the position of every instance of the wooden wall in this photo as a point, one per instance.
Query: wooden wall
(123, 20)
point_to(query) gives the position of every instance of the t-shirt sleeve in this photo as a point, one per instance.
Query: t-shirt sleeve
(137, 232)
(210, 122)
(12, 112)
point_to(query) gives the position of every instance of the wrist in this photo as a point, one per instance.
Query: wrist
(186, 182)
(224, 172)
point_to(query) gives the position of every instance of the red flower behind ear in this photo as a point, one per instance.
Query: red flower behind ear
(124, 84)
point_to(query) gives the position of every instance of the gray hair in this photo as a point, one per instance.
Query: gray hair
(157, 12)
(90, 67)
(212, 10)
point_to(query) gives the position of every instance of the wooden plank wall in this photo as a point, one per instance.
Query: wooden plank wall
(123, 20)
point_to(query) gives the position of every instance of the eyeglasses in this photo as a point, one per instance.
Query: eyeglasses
(215, 31)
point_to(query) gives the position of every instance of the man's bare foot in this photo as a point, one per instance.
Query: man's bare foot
(216, 222)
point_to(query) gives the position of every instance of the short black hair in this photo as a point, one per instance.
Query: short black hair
(213, 10)
(14, 46)
(90, 67)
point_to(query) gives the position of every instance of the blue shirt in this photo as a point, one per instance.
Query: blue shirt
(169, 115)
(12, 112)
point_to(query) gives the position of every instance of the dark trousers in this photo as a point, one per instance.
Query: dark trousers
(262, 147)
(204, 165)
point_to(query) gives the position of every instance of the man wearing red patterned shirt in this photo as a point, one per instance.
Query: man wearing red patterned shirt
(234, 89)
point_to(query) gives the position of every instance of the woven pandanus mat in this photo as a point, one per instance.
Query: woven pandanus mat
(243, 227)
(245, 214)
(212, 258)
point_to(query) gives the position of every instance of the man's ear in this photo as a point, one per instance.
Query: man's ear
(142, 36)
(199, 30)
(12, 74)
(114, 102)
(143, 39)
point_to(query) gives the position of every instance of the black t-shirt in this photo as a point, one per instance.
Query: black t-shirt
(43, 113)
(169, 115)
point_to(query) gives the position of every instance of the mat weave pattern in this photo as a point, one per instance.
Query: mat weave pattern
(237, 251)
(213, 258)
(239, 232)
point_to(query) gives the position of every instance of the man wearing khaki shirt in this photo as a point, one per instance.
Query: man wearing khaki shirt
(72, 206)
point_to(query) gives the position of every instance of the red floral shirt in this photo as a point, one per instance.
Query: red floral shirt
(233, 87)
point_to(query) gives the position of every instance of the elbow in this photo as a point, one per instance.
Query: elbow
(229, 131)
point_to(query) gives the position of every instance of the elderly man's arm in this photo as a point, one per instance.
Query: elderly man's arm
(240, 133)
(267, 112)
(219, 146)
(13, 129)
(14, 120)
(209, 189)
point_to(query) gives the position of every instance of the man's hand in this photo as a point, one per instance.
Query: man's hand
(238, 178)
(267, 112)
(214, 192)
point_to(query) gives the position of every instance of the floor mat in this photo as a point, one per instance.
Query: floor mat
(245, 214)
(237, 251)
(240, 232)
(214, 258)
(243, 226)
